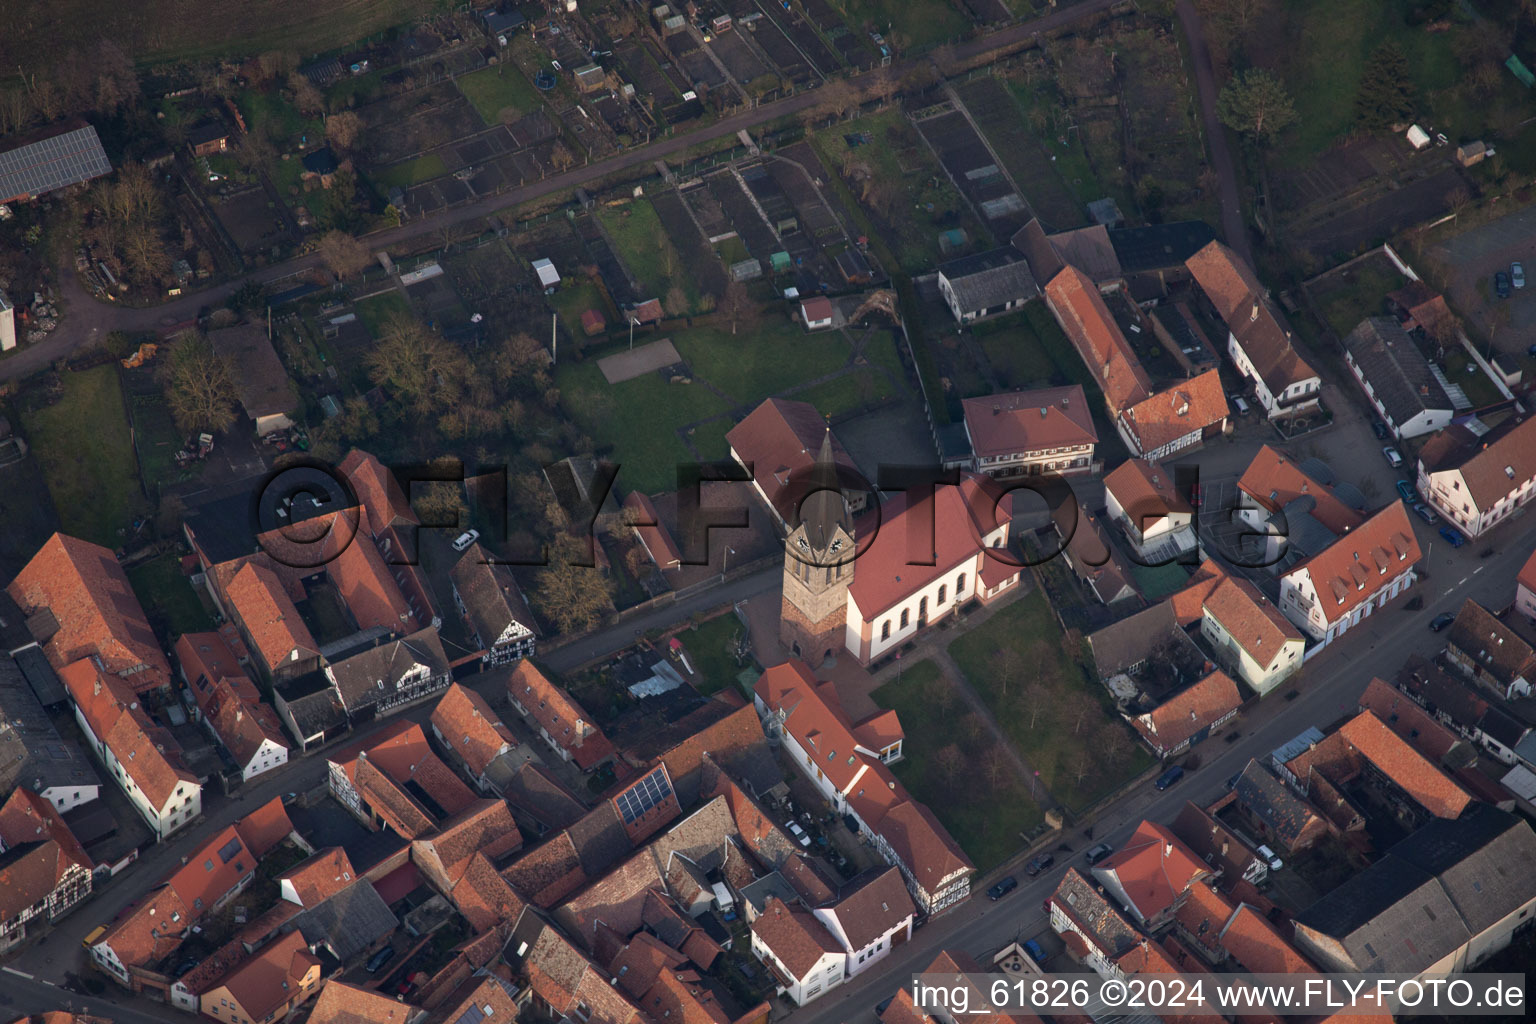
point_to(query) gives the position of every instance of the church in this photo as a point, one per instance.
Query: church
(870, 583)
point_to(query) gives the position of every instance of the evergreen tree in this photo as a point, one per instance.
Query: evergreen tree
(1257, 105)
(1385, 97)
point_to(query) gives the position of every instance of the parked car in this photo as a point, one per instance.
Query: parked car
(1169, 777)
(798, 833)
(1098, 853)
(1452, 537)
(465, 539)
(1242, 406)
(378, 960)
(1405, 488)
(1039, 864)
(1002, 888)
(1425, 513)
(1380, 430)
(1440, 621)
(1037, 954)
(1196, 496)
(1393, 458)
(1501, 284)
(1517, 274)
(1275, 863)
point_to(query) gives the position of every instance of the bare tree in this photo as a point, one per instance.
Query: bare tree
(344, 255)
(1080, 710)
(574, 597)
(305, 96)
(423, 372)
(737, 304)
(995, 765)
(342, 130)
(1082, 762)
(1033, 701)
(950, 760)
(940, 693)
(676, 301)
(973, 726)
(1458, 199)
(1001, 664)
(560, 156)
(199, 385)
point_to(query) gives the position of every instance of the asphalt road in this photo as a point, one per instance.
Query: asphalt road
(1220, 153)
(88, 318)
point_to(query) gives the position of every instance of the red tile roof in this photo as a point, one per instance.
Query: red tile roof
(468, 725)
(485, 898)
(1204, 914)
(1273, 480)
(1146, 492)
(41, 853)
(212, 870)
(377, 491)
(1196, 404)
(95, 608)
(348, 1004)
(257, 598)
(318, 878)
(1241, 302)
(207, 656)
(1255, 623)
(1028, 421)
(563, 977)
(1255, 944)
(1351, 570)
(485, 827)
(564, 720)
(148, 930)
(242, 725)
(1493, 466)
(1197, 707)
(1400, 713)
(923, 844)
(1189, 603)
(794, 936)
(815, 718)
(266, 827)
(146, 752)
(1527, 575)
(274, 977)
(954, 519)
(1080, 309)
(1405, 766)
(652, 532)
(1153, 868)
(873, 909)
(369, 588)
(781, 438)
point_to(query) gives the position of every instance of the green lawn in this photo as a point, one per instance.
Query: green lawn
(1324, 53)
(1461, 369)
(1359, 292)
(761, 361)
(269, 112)
(411, 172)
(854, 390)
(639, 418)
(168, 597)
(915, 24)
(82, 444)
(375, 312)
(158, 440)
(647, 251)
(987, 818)
(500, 88)
(575, 296)
(1059, 719)
(708, 649)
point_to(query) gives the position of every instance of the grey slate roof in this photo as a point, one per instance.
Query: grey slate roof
(986, 279)
(1159, 246)
(348, 922)
(40, 675)
(51, 159)
(1396, 368)
(32, 753)
(1121, 645)
(769, 886)
(492, 600)
(533, 790)
(1267, 798)
(1433, 891)
(312, 702)
(368, 677)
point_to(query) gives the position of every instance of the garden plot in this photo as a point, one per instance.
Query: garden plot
(685, 52)
(736, 54)
(805, 155)
(690, 244)
(1003, 120)
(816, 219)
(250, 219)
(401, 127)
(802, 35)
(974, 170)
(616, 277)
(851, 44)
(781, 53)
(782, 216)
(742, 215)
(1164, 156)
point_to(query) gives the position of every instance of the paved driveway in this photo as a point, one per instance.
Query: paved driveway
(1470, 260)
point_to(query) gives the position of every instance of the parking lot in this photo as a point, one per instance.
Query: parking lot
(1470, 260)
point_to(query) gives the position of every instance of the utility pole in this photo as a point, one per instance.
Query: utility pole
(554, 339)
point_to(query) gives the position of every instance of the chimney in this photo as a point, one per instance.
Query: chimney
(1044, 412)
(1255, 314)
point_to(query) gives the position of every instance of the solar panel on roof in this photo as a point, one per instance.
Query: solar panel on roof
(53, 163)
(650, 791)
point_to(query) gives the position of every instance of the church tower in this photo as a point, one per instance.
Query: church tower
(818, 563)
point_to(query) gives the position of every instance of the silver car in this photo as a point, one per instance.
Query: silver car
(1517, 274)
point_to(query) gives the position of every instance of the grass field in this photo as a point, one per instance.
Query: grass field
(647, 251)
(1059, 720)
(639, 417)
(859, 387)
(158, 440)
(708, 649)
(1350, 296)
(499, 93)
(916, 24)
(411, 172)
(986, 817)
(267, 111)
(153, 32)
(375, 312)
(82, 444)
(167, 596)
(764, 360)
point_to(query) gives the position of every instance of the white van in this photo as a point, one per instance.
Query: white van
(1242, 406)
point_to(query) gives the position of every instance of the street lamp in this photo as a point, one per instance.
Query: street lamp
(725, 560)
(633, 323)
